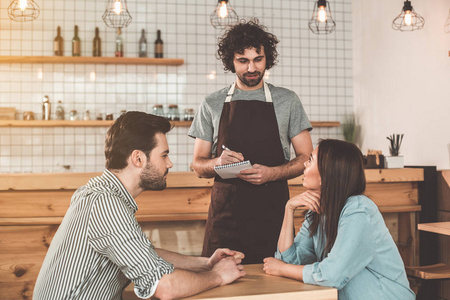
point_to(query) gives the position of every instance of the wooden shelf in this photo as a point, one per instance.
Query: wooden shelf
(90, 60)
(325, 124)
(67, 123)
(94, 123)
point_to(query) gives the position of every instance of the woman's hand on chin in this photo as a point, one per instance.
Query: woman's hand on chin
(310, 199)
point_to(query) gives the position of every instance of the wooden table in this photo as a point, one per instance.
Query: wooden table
(258, 285)
(439, 227)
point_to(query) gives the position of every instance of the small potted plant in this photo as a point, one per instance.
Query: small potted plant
(349, 129)
(394, 161)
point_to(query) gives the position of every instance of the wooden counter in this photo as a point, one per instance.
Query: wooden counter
(33, 205)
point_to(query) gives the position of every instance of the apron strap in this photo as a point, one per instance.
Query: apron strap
(266, 92)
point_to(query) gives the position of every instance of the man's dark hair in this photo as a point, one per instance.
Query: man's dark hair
(133, 130)
(247, 35)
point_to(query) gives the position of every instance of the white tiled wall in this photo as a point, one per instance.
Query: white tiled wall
(318, 68)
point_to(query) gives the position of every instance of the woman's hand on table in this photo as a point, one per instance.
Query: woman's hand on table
(310, 199)
(273, 266)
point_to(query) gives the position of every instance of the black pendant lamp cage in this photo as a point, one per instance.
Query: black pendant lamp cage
(223, 15)
(408, 19)
(321, 21)
(116, 14)
(23, 11)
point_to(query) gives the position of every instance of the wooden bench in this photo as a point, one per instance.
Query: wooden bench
(418, 276)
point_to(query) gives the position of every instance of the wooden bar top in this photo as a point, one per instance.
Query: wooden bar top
(258, 285)
(72, 181)
(439, 227)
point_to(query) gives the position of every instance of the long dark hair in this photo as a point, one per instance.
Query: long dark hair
(341, 170)
(133, 130)
(243, 36)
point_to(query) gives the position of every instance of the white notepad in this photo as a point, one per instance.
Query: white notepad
(231, 170)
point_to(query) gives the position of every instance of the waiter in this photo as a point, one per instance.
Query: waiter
(256, 121)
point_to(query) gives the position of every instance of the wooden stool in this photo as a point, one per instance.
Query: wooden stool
(418, 274)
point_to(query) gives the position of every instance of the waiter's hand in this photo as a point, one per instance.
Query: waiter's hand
(257, 175)
(222, 253)
(229, 157)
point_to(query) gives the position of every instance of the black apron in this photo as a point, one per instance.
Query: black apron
(243, 216)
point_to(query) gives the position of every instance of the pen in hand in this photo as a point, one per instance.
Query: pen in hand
(234, 155)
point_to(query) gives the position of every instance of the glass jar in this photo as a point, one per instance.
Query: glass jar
(59, 111)
(173, 114)
(73, 115)
(87, 115)
(158, 110)
(188, 114)
(109, 117)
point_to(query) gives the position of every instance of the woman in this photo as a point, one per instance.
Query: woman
(344, 242)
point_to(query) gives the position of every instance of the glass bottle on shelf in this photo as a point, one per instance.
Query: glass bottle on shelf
(87, 115)
(188, 114)
(143, 45)
(119, 43)
(59, 111)
(97, 44)
(173, 114)
(73, 115)
(76, 43)
(58, 44)
(159, 45)
(158, 110)
(46, 108)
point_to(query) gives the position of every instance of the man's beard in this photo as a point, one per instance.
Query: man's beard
(251, 82)
(151, 180)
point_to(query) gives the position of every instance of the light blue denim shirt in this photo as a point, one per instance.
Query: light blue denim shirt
(364, 262)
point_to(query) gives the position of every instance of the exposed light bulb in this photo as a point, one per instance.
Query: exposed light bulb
(408, 18)
(223, 15)
(117, 7)
(212, 75)
(40, 74)
(23, 4)
(223, 11)
(322, 14)
(92, 76)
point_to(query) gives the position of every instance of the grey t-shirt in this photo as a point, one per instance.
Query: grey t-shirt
(291, 116)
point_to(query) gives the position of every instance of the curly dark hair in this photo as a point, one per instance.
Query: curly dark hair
(247, 35)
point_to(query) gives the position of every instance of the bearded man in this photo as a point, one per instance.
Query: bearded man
(100, 248)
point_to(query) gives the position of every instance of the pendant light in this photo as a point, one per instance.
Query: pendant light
(321, 21)
(223, 15)
(23, 10)
(408, 19)
(116, 14)
(447, 23)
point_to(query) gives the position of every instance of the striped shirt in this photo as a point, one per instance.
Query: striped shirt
(99, 248)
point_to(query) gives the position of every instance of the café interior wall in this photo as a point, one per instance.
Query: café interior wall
(317, 67)
(402, 80)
